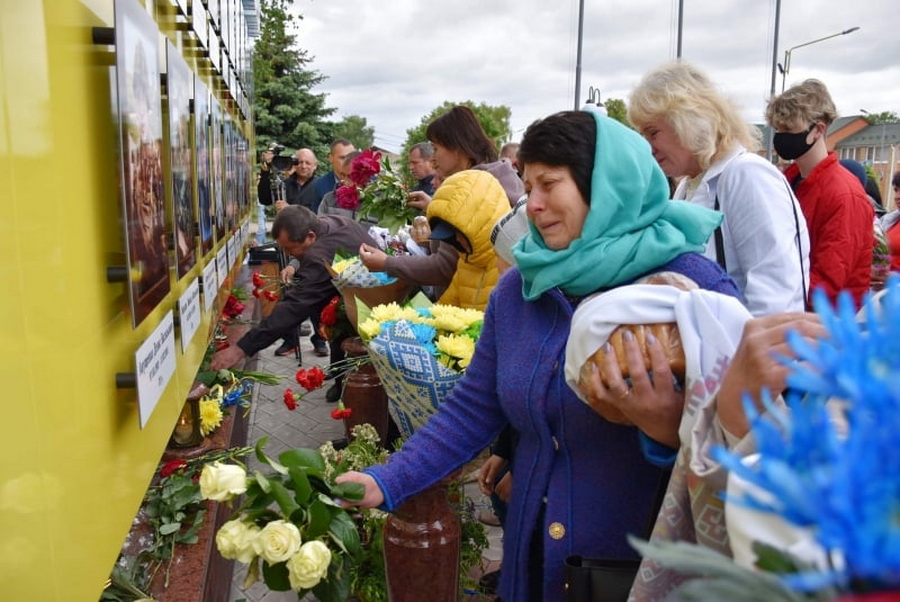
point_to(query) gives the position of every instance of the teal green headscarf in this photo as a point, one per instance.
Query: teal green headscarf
(631, 227)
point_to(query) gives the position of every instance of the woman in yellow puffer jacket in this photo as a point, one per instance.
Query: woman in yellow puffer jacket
(462, 213)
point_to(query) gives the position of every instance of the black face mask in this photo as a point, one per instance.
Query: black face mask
(792, 146)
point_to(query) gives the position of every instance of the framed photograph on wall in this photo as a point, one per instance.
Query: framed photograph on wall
(141, 147)
(213, 7)
(216, 167)
(243, 159)
(230, 175)
(201, 156)
(179, 81)
(200, 23)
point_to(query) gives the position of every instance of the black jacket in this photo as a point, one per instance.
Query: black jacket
(312, 288)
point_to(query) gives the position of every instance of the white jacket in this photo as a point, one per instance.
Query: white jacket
(759, 232)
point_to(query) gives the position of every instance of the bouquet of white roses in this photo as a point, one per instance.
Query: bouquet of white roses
(289, 524)
(419, 354)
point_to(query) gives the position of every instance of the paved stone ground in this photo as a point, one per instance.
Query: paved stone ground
(310, 425)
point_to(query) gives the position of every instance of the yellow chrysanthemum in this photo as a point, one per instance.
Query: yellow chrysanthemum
(392, 312)
(454, 319)
(342, 264)
(369, 329)
(459, 347)
(210, 416)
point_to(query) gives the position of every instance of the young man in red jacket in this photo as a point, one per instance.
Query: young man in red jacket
(838, 214)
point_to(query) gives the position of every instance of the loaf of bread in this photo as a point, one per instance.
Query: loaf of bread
(666, 333)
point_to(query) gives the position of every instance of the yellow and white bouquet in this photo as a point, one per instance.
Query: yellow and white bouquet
(419, 354)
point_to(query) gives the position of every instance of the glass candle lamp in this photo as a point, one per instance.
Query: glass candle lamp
(187, 428)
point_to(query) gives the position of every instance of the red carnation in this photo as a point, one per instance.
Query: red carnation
(337, 414)
(303, 379)
(258, 279)
(315, 378)
(171, 467)
(328, 316)
(270, 295)
(346, 412)
(347, 197)
(256, 293)
(289, 400)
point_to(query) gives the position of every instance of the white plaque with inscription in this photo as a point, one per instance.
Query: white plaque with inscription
(210, 284)
(155, 362)
(222, 263)
(189, 313)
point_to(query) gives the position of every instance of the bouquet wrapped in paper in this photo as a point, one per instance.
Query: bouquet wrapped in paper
(355, 282)
(419, 353)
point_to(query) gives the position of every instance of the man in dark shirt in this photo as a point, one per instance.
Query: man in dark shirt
(421, 167)
(326, 183)
(300, 183)
(311, 241)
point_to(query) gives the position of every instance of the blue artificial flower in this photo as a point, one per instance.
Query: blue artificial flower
(845, 487)
(383, 278)
(425, 334)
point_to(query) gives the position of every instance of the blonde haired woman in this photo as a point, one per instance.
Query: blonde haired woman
(697, 134)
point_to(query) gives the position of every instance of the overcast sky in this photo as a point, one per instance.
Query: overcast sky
(393, 61)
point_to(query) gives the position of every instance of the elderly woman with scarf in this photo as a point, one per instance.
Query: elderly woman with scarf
(599, 217)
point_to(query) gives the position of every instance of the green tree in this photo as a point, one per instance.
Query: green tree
(355, 129)
(285, 107)
(883, 117)
(615, 108)
(494, 121)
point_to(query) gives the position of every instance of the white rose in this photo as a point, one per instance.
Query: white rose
(221, 482)
(309, 565)
(235, 541)
(278, 541)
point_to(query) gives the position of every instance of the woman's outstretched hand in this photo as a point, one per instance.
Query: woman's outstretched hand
(372, 257)
(372, 498)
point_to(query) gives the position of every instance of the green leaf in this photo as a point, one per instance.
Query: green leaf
(276, 576)
(336, 587)
(262, 481)
(731, 581)
(344, 533)
(303, 457)
(773, 560)
(420, 301)
(318, 521)
(363, 311)
(262, 457)
(352, 492)
(302, 487)
(207, 377)
(169, 528)
(283, 498)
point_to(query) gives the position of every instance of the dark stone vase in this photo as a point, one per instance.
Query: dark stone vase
(364, 394)
(421, 548)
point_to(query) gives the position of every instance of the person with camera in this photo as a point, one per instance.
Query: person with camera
(268, 187)
(300, 182)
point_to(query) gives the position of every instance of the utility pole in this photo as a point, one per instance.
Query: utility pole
(578, 54)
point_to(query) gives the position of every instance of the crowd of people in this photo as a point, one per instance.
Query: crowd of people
(562, 239)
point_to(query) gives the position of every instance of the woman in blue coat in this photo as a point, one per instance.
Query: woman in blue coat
(599, 217)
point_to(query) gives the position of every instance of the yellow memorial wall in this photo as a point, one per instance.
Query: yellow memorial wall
(76, 461)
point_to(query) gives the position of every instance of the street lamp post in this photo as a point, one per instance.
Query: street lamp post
(787, 53)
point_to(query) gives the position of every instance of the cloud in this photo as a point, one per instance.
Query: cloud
(393, 62)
